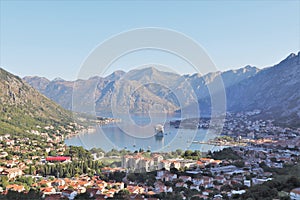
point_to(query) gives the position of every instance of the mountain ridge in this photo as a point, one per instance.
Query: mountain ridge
(247, 88)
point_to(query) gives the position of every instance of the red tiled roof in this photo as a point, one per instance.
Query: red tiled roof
(58, 158)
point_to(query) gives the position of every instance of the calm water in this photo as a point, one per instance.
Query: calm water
(137, 132)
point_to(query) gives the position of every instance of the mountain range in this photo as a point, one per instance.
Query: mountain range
(273, 90)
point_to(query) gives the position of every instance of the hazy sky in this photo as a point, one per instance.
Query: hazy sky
(52, 38)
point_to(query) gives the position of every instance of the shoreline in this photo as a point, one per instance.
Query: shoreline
(100, 121)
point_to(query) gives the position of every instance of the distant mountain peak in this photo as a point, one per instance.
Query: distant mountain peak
(115, 75)
(292, 55)
(94, 77)
(147, 70)
(292, 58)
(58, 79)
(249, 67)
(35, 78)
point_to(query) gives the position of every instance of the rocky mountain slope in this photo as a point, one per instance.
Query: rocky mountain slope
(23, 107)
(137, 90)
(274, 90)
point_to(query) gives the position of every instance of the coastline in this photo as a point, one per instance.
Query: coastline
(100, 121)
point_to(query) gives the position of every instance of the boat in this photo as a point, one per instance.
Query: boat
(134, 145)
(159, 130)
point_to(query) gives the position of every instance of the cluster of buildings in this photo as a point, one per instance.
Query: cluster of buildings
(139, 163)
(241, 124)
(56, 188)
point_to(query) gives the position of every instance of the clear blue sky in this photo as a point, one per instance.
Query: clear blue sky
(52, 38)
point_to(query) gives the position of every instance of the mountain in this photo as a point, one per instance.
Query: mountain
(40, 83)
(23, 108)
(138, 91)
(273, 90)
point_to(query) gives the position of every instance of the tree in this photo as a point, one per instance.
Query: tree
(189, 183)
(121, 194)
(4, 181)
(239, 163)
(117, 176)
(83, 196)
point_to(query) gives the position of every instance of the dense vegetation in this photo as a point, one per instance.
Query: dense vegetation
(31, 195)
(285, 179)
(82, 163)
(225, 154)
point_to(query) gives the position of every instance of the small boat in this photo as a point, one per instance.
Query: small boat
(134, 145)
(159, 130)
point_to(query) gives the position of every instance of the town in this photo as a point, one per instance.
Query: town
(39, 165)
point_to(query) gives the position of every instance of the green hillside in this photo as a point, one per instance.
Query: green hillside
(24, 108)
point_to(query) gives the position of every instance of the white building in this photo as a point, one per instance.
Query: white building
(295, 194)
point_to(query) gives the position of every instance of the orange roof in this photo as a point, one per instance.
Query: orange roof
(15, 187)
(151, 193)
(206, 159)
(47, 189)
(199, 163)
(61, 187)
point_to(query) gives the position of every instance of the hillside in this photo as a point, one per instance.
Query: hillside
(23, 108)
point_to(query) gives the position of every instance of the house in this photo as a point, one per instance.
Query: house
(247, 183)
(45, 183)
(195, 187)
(165, 176)
(169, 189)
(11, 163)
(134, 189)
(200, 164)
(185, 178)
(69, 194)
(220, 179)
(238, 192)
(13, 173)
(166, 164)
(160, 173)
(15, 187)
(169, 177)
(48, 190)
(295, 194)
(93, 192)
(58, 182)
(258, 181)
(181, 184)
(197, 181)
(224, 169)
(159, 187)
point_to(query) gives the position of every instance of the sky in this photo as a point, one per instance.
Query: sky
(53, 38)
